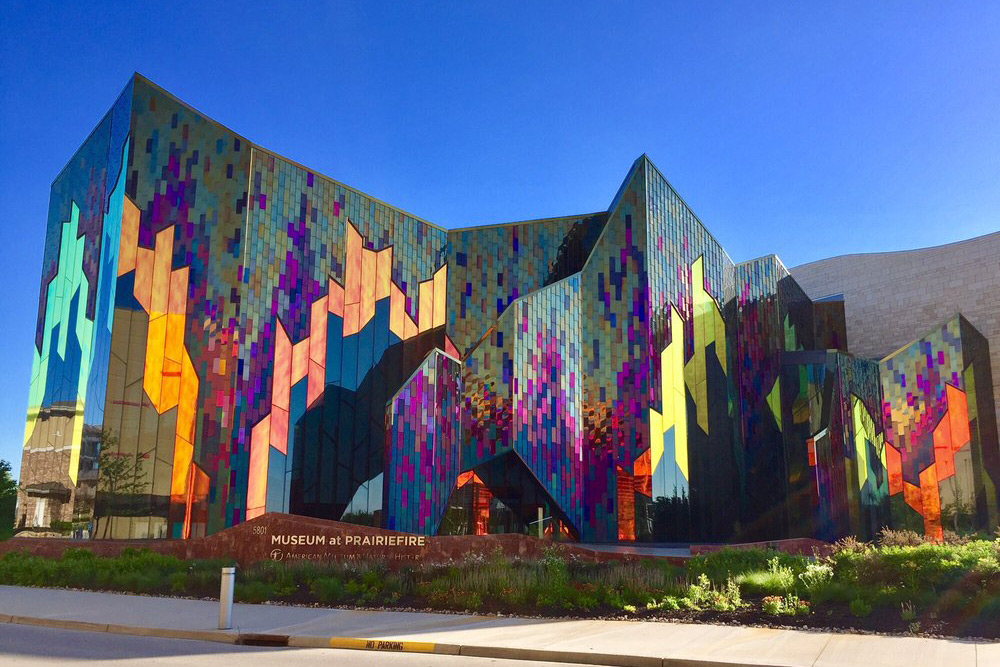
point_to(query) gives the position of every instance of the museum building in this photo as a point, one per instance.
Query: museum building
(222, 333)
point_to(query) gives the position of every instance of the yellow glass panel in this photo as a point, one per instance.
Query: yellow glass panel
(383, 274)
(155, 342)
(183, 453)
(425, 313)
(368, 279)
(187, 403)
(352, 269)
(440, 295)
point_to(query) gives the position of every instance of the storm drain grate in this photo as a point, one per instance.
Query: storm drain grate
(255, 639)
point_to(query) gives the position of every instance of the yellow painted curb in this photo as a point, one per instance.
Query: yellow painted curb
(381, 645)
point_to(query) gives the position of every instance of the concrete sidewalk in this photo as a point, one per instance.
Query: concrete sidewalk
(593, 642)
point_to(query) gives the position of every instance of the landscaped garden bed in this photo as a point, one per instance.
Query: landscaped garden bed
(899, 585)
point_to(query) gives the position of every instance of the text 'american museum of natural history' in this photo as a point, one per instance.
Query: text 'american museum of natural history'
(244, 335)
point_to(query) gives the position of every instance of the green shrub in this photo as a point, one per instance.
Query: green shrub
(726, 563)
(252, 591)
(860, 608)
(703, 595)
(816, 576)
(787, 605)
(776, 579)
(668, 602)
(990, 608)
(899, 538)
(328, 590)
(61, 526)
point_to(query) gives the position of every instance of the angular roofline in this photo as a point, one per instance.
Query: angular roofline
(974, 239)
(93, 131)
(136, 76)
(473, 228)
(688, 207)
(957, 315)
(769, 255)
(255, 146)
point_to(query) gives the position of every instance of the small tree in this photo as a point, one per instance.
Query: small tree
(8, 500)
(121, 478)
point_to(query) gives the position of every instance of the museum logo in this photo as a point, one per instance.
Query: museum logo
(298, 540)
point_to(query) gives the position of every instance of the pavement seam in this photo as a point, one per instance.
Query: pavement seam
(822, 650)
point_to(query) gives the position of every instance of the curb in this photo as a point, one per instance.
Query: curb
(382, 644)
(220, 636)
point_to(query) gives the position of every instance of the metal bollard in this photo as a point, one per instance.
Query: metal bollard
(226, 598)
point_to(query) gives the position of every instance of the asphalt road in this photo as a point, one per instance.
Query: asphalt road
(35, 646)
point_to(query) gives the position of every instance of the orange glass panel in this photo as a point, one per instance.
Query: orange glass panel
(143, 277)
(336, 298)
(161, 271)
(958, 415)
(644, 474)
(425, 312)
(368, 279)
(188, 502)
(911, 494)
(317, 331)
(129, 242)
(300, 360)
(316, 383)
(281, 382)
(352, 318)
(626, 505)
(279, 429)
(352, 269)
(409, 328)
(257, 480)
(894, 464)
(177, 304)
(440, 296)
(397, 311)
(450, 348)
(481, 498)
(383, 274)
(931, 498)
(944, 455)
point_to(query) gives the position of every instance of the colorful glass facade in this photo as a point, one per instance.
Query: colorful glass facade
(944, 467)
(258, 337)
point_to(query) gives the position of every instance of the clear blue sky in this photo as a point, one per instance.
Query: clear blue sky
(805, 129)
